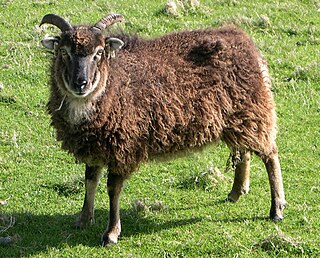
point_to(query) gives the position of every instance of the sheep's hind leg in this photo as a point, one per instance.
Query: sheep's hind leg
(114, 184)
(278, 201)
(241, 181)
(92, 178)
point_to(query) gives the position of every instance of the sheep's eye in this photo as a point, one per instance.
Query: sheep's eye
(64, 52)
(98, 55)
(99, 52)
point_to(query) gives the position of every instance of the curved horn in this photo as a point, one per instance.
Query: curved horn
(108, 21)
(56, 20)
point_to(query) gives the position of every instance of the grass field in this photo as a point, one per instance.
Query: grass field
(174, 208)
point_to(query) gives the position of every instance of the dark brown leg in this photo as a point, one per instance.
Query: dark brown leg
(92, 178)
(278, 201)
(241, 181)
(114, 184)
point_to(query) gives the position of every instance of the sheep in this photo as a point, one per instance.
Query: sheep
(118, 100)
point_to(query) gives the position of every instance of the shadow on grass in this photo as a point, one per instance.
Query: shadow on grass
(36, 234)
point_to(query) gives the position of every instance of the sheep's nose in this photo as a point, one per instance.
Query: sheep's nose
(81, 84)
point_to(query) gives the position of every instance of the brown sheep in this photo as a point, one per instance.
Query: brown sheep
(160, 96)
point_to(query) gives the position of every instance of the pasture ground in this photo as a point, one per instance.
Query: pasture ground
(174, 208)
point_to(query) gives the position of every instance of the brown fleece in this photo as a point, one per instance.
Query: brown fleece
(165, 95)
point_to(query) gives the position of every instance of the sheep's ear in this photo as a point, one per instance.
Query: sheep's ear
(114, 43)
(50, 42)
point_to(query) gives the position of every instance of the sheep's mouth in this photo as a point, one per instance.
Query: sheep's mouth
(74, 89)
(77, 91)
(80, 93)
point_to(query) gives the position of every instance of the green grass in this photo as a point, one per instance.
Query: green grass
(174, 208)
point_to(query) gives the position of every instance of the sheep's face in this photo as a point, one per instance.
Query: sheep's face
(80, 59)
(79, 55)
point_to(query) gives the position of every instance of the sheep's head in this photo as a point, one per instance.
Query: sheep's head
(80, 52)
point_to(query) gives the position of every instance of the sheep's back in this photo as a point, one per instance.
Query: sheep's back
(195, 86)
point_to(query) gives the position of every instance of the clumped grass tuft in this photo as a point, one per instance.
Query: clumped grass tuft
(177, 8)
(309, 72)
(258, 22)
(207, 180)
(7, 100)
(228, 2)
(282, 245)
(6, 222)
(143, 206)
(171, 8)
(73, 186)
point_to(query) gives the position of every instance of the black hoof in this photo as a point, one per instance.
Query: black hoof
(275, 217)
(107, 242)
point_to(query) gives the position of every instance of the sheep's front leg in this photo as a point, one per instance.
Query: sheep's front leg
(114, 184)
(92, 178)
(241, 181)
(278, 201)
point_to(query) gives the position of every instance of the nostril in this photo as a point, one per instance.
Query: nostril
(81, 84)
(84, 83)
